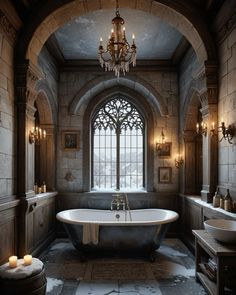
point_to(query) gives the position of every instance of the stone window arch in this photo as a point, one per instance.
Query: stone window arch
(117, 145)
(144, 108)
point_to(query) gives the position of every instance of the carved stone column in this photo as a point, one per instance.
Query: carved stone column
(25, 79)
(210, 151)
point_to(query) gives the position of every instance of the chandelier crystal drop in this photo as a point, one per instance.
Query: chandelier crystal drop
(118, 53)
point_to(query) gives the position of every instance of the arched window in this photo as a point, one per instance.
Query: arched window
(117, 146)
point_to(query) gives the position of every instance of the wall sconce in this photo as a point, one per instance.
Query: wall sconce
(36, 135)
(160, 142)
(201, 129)
(227, 132)
(179, 161)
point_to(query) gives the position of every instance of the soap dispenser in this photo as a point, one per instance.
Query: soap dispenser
(228, 202)
(216, 198)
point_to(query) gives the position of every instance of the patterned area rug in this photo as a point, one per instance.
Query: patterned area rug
(119, 271)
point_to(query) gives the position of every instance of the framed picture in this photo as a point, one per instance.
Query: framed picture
(165, 151)
(164, 174)
(70, 140)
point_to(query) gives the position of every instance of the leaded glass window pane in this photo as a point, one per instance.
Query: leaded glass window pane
(118, 133)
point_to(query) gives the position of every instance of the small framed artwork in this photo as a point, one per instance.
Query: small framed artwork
(164, 174)
(165, 151)
(70, 140)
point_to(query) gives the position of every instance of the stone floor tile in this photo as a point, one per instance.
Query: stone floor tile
(97, 287)
(148, 287)
(182, 286)
(69, 287)
(54, 286)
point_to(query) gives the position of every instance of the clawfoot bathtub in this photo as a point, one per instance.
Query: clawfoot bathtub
(142, 229)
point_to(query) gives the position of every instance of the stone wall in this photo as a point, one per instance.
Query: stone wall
(188, 68)
(225, 28)
(8, 31)
(70, 164)
(49, 69)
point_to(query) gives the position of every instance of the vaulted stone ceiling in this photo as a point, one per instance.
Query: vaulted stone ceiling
(79, 38)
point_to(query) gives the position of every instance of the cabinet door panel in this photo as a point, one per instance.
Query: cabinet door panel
(193, 217)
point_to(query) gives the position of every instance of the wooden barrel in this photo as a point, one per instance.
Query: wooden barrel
(32, 285)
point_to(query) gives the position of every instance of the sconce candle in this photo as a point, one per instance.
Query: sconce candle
(27, 259)
(13, 261)
(201, 129)
(178, 161)
(36, 135)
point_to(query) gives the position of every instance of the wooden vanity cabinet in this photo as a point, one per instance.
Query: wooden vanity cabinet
(224, 256)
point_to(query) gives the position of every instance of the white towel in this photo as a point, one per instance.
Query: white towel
(90, 233)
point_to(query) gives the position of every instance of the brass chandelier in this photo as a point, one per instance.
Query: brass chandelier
(119, 53)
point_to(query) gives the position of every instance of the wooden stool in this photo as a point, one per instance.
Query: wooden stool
(27, 280)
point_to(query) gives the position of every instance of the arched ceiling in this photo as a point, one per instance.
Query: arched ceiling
(155, 39)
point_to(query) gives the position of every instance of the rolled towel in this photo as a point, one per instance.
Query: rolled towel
(90, 233)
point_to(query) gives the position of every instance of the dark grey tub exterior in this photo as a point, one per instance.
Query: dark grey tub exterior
(129, 238)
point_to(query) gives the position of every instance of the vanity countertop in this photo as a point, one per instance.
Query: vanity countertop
(197, 199)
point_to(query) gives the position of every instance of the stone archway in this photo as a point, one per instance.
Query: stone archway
(200, 97)
(97, 85)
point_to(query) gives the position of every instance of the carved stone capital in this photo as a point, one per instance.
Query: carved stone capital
(7, 28)
(211, 68)
(26, 77)
(30, 111)
(204, 98)
(189, 136)
(26, 109)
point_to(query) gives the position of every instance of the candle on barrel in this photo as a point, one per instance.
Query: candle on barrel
(27, 259)
(13, 261)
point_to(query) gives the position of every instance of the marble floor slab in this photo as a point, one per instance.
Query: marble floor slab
(171, 273)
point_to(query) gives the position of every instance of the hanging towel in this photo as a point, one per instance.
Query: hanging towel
(90, 233)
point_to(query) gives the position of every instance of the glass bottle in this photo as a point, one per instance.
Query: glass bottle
(44, 189)
(216, 198)
(228, 202)
(36, 188)
(222, 201)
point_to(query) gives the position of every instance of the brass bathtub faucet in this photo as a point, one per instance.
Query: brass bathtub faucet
(118, 203)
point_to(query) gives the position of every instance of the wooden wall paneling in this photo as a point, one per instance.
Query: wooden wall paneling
(30, 231)
(38, 219)
(190, 164)
(8, 230)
